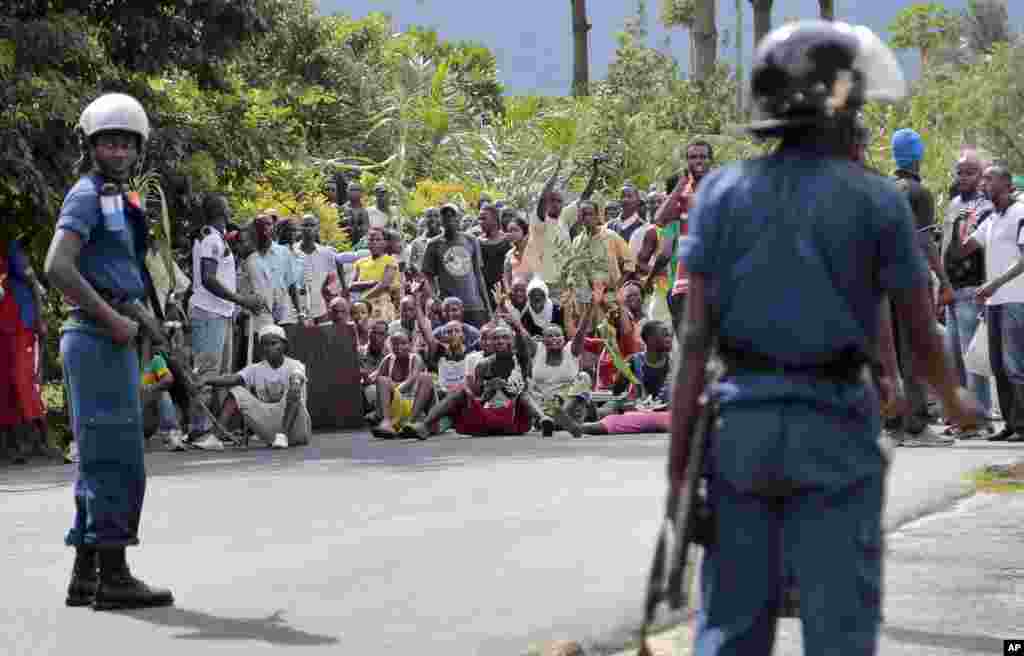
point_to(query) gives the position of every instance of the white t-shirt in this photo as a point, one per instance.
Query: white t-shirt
(451, 374)
(312, 270)
(1000, 236)
(548, 379)
(211, 245)
(545, 233)
(268, 384)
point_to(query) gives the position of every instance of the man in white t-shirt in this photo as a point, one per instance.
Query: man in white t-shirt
(212, 307)
(270, 394)
(1003, 294)
(314, 262)
(551, 230)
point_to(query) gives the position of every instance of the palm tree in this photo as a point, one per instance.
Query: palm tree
(827, 9)
(762, 19)
(705, 34)
(682, 13)
(580, 53)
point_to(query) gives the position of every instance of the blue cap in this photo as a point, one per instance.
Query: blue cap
(907, 148)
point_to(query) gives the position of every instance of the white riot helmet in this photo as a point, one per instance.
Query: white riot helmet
(115, 111)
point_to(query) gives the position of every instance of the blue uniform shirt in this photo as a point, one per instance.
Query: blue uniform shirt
(798, 250)
(113, 249)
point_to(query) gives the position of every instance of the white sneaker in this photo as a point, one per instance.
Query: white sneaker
(280, 441)
(209, 442)
(928, 438)
(176, 441)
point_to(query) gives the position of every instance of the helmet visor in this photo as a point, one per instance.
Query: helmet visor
(883, 76)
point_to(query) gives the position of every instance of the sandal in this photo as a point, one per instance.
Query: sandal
(382, 434)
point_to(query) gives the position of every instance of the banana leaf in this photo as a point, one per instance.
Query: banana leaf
(611, 344)
(146, 186)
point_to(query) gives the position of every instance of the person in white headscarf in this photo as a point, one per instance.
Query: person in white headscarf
(528, 301)
(270, 394)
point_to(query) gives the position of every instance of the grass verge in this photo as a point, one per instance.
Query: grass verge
(1000, 478)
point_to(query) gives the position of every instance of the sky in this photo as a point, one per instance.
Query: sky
(532, 39)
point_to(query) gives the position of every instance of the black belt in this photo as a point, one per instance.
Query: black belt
(844, 366)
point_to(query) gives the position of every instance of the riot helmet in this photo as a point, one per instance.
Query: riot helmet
(807, 72)
(115, 112)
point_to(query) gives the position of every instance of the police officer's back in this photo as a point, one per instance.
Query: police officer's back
(791, 254)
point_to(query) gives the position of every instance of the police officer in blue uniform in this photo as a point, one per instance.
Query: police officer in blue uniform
(97, 260)
(790, 256)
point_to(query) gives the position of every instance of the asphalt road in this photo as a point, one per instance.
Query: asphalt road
(454, 546)
(954, 583)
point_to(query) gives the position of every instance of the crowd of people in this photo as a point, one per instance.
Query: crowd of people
(476, 325)
(466, 327)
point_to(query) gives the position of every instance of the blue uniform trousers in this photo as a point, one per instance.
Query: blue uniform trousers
(103, 381)
(830, 542)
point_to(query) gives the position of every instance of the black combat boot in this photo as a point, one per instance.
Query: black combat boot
(84, 578)
(118, 589)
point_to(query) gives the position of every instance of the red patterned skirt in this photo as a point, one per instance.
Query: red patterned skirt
(477, 419)
(20, 393)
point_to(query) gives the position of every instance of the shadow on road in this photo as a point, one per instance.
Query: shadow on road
(974, 644)
(203, 626)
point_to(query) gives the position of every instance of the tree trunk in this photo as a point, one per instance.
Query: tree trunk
(740, 89)
(581, 52)
(692, 40)
(706, 35)
(762, 19)
(827, 9)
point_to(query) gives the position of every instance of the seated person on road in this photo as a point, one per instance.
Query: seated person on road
(447, 358)
(625, 319)
(397, 379)
(557, 384)
(494, 402)
(370, 357)
(445, 353)
(157, 381)
(407, 321)
(270, 395)
(360, 311)
(340, 312)
(529, 302)
(486, 349)
(452, 309)
(651, 368)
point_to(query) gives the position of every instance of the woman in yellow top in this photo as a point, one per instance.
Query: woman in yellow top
(375, 278)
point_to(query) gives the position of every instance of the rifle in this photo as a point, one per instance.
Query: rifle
(687, 521)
